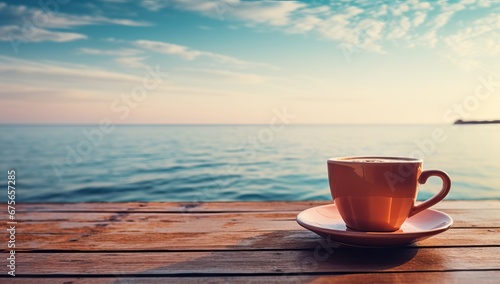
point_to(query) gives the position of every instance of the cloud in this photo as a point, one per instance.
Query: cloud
(169, 48)
(401, 9)
(464, 63)
(421, 5)
(469, 46)
(14, 65)
(291, 16)
(468, 2)
(18, 34)
(172, 89)
(442, 19)
(482, 38)
(131, 62)
(428, 39)
(305, 24)
(400, 28)
(116, 1)
(46, 94)
(484, 3)
(336, 27)
(445, 6)
(202, 27)
(275, 13)
(114, 40)
(63, 82)
(321, 10)
(382, 11)
(191, 54)
(112, 52)
(419, 18)
(357, 25)
(231, 75)
(67, 21)
(55, 82)
(154, 5)
(360, 24)
(447, 11)
(354, 31)
(209, 8)
(19, 15)
(125, 56)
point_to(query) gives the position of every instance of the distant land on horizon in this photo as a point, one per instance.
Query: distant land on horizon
(460, 121)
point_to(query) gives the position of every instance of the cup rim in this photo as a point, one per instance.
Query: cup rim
(393, 160)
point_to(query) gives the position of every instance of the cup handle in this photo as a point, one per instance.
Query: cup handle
(436, 198)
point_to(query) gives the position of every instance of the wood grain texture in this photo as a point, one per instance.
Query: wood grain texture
(110, 239)
(225, 234)
(339, 260)
(106, 231)
(456, 277)
(240, 242)
(461, 217)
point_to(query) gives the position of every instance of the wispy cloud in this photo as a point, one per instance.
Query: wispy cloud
(42, 93)
(16, 33)
(305, 24)
(276, 13)
(110, 52)
(442, 19)
(15, 65)
(233, 76)
(191, 54)
(400, 9)
(69, 83)
(203, 27)
(191, 5)
(400, 28)
(419, 18)
(364, 25)
(123, 56)
(169, 48)
(61, 20)
(131, 62)
(116, 1)
(472, 43)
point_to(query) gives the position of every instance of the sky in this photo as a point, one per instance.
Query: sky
(242, 62)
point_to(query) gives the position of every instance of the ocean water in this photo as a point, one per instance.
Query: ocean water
(245, 163)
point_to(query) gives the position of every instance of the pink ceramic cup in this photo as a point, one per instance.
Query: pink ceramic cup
(379, 193)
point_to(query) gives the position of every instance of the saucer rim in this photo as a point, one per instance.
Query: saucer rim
(375, 233)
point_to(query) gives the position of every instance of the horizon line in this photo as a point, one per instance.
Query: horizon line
(217, 124)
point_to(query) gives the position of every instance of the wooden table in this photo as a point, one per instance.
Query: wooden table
(248, 242)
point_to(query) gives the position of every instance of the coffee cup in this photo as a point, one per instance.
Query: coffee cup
(379, 193)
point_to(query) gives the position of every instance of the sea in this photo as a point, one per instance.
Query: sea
(195, 163)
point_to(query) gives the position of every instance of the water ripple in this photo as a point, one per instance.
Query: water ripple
(180, 163)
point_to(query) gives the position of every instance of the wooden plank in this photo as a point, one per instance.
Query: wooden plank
(206, 222)
(457, 277)
(111, 239)
(261, 262)
(467, 204)
(219, 206)
(114, 231)
(461, 217)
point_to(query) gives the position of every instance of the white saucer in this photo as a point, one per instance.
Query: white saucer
(325, 220)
